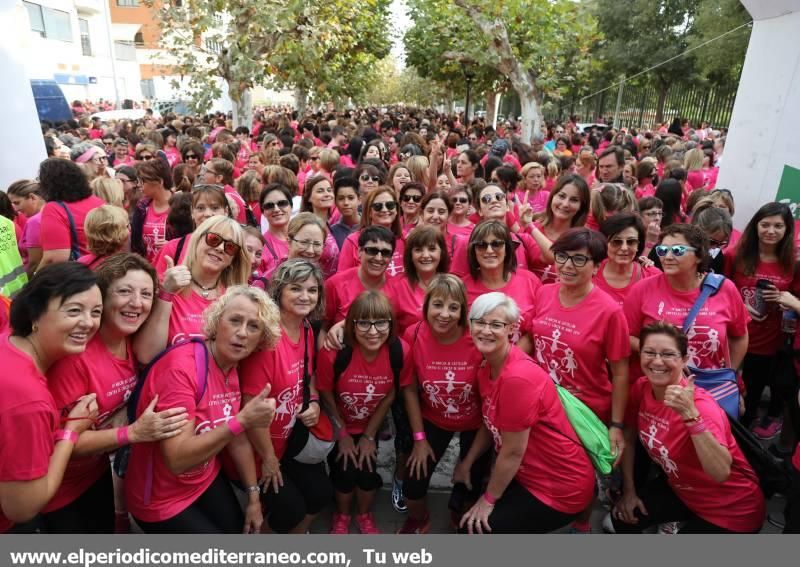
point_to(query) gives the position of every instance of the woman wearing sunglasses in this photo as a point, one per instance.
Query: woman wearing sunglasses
(192, 154)
(411, 195)
(718, 338)
(458, 222)
(85, 500)
(380, 209)
(358, 400)
(369, 175)
(276, 208)
(216, 259)
(53, 316)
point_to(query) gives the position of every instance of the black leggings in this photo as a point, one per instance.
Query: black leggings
(91, 513)
(439, 439)
(306, 491)
(345, 481)
(402, 429)
(216, 511)
(791, 512)
(777, 372)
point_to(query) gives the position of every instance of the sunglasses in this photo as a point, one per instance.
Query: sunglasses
(494, 244)
(389, 206)
(618, 242)
(365, 177)
(461, 200)
(677, 250)
(190, 156)
(373, 251)
(269, 205)
(145, 157)
(213, 240)
(407, 198)
(486, 199)
(578, 260)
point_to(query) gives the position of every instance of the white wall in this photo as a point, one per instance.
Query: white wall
(765, 126)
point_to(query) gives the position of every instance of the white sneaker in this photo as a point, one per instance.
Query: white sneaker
(608, 525)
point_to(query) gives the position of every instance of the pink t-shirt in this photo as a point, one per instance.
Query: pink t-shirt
(173, 155)
(574, 343)
(737, 504)
(55, 228)
(447, 378)
(275, 252)
(554, 468)
(282, 368)
(406, 302)
(171, 249)
(348, 255)
(174, 379)
(523, 287)
(646, 190)
(362, 385)
(31, 236)
(153, 232)
(723, 315)
(464, 231)
(619, 293)
(340, 292)
(241, 215)
(28, 419)
(695, 179)
(94, 371)
(186, 317)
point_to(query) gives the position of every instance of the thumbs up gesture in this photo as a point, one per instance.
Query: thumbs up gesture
(176, 278)
(259, 411)
(681, 398)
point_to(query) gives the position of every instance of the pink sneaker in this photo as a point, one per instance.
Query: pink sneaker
(366, 524)
(768, 427)
(340, 524)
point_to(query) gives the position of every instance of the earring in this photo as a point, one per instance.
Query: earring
(35, 328)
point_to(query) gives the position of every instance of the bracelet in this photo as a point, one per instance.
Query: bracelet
(419, 436)
(255, 489)
(618, 425)
(164, 295)
(313, 398)
(694, 419)
(235, 426)
(489, 498)
(122, 436)
(66, 435)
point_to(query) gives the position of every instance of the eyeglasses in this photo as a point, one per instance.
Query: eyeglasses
(677, 250)
(228, 246)
(494, 326)
(654, 214)
(408, 198)
(578, 260)
(190, 156)
(461, 200)
(618, 242)
(486, 244)
(367, 177)
(145, 157)
(666, 356)
(269, 205)
(374, 251)
(306, 244)
(388, 205)
(486, 199)
(381, 325)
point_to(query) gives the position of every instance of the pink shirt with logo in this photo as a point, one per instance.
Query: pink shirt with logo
(55, 229)
(348, 255)
(737, 504)
(572, 344)
(447, 377)
(174, 379)
(186, 317)
(154, 232)
(619, 293)
(554, 468)
(94, 371)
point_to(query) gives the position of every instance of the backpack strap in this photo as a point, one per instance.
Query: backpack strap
(711, 285)
(396, 361)
(269, 247)
(251, 217)
(341, 362)
(74, 250)
(179, 249)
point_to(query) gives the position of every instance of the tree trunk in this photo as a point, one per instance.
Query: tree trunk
(531, 114)
(242, 107)
(300, 101)
(663, 89)
(491, 103)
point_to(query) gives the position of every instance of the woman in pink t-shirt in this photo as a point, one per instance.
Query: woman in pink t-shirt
(177, 485)
(533, 186)
(542, 477)
(53, 316)
(410, 198)
(294, 492)
(149, 219)
(458, 222)
(318, 199)
(170, 147)
(26, 198)
(276, 207)
(707, 483)
(358, 400)
(441, 395)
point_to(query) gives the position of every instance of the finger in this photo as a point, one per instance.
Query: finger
(528, 192)
(172, 412)
(171, 421)
(485, 525)
(642, 509)
(152, 405)
(169, 261)
(265, 392)
(690, 382)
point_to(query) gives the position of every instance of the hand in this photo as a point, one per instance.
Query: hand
(176, 278)
(253, 516)
(418, 461)
(653, 232)
(754, 315)
(626, 507)
(259, 411)
(83, 414)
(334, 339)
(271, 473)
(617, 439)
(646, 262)
(477, 518)
(347, 450)
(681, 398)
(771, 295)
(310, 417)
(155, 426)
(461, 473)
(742, 407)
(788, 301)
(367, 453)
(524, 209)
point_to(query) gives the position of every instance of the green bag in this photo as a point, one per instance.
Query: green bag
(592, 433)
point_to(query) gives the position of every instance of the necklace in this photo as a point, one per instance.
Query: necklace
(205, 291)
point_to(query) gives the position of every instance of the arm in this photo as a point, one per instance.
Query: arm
(34, 259)
(634, 345)
(241, 452)
(152, 337)
(508, 460)
(630, 502)
(261, 441)
(367, 448)
(422, 451)
(619, 399)
(53, 257)
(738, 349)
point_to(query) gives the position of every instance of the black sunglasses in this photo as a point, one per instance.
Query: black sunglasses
(407, 198)
(462, 200)
(374, 251)
(269, 205)
(367, 177)
(495, 244)
(389, 206)
(190, 156)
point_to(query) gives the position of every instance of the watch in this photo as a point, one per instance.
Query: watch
(618, 425)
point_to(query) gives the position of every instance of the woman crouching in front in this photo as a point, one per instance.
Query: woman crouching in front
(534, 441)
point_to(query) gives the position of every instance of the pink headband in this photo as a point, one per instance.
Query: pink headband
(87, 155)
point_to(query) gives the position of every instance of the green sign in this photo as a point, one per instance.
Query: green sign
(789, 189)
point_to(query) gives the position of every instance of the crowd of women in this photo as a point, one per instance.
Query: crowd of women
(219, 323)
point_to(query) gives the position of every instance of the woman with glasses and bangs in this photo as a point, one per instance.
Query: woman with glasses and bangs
(358, 399)
(380, 209)
(149, 219)
(276, 208)
(216, 259)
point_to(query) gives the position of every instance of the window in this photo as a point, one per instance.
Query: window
(36, 18)
(86, 43)
(125, 51)
(49, 23)
(128, 3)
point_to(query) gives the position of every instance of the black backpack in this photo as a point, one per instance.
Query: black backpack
(773, 476)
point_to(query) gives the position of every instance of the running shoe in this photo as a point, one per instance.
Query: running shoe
(776, 520)
(398, 498)
(608, 524)
(768, 427)
(412, 526)
(366, 524)
(340, 524)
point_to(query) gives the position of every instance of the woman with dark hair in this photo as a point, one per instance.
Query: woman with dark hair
(763, 268)
(131, 186)
(219, 171)
(350, 157)
(192, 154)
(458, 222)
(717, 225)
(54, 315)
(69, 199)
(318, 198)
(370, 175)
(645, 176)
(411, 195)
(149, 219)
(670, 194)
(182, 178)
(276, 208)
(468, 167)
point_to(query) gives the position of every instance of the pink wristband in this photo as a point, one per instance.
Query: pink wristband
(235, 426)
(66, 435)
(696, 427)
(342, 434)
(419, 436)
(489, 498)
(164, 295)
(122, 436)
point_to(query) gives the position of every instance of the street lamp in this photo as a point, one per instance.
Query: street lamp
(469, 74)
